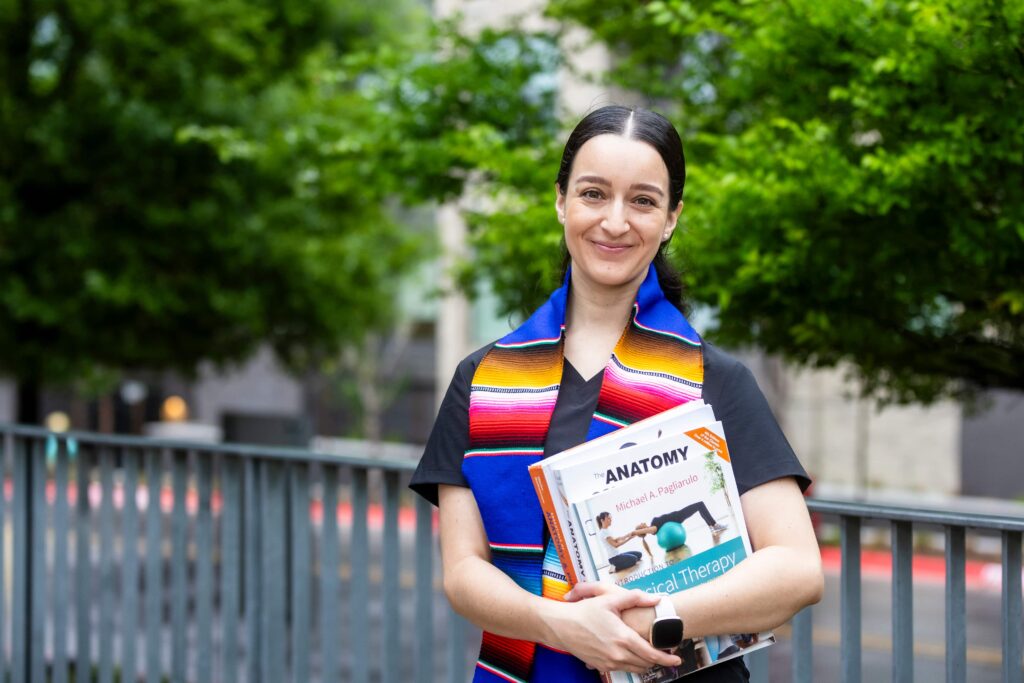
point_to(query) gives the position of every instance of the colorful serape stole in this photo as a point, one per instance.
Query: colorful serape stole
(657, 364)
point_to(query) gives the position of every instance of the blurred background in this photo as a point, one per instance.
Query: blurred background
(285, 222)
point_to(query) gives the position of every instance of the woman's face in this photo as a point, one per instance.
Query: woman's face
(615, 211)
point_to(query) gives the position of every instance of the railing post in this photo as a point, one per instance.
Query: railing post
(230, 569)
(757, 663)
(329, 558)
(21, 623)
(301, 576)
(389, 585)
(360, 548)
(273, 584)
(850, 607)
(179, 567)
(803, 633)
(424, 649)
(5, 453)
(902, 603)
(956, 603)
(107, 583)
(456, 647)
(1013, 615)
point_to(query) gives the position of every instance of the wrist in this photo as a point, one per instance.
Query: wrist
(666, 631)
(639, 619)
(549, 614)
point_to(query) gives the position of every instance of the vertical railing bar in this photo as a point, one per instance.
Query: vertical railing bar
(106, 570)
(390, 596)
(956, 605)
(329, 568)
(179, 557)
(230, 564)
(850, 599)
(1013, 612)
(902, 603)
(300, 575)
(273, 573)
(6, 455)
(456, 647)
(83, 564)
(803, 635)
(154, 565)
(204, 568)
(251, 552)
(424, 545)
(37, 532)
(61, 576)
(22, 571)
(130, 561)
(757, 664)
(360, 547)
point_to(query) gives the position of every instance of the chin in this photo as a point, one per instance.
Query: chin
(614, 277)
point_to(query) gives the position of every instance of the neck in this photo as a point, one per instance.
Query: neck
(597, 308)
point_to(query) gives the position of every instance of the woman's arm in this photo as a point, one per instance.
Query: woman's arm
(780, 578)
(591, 630)
(616, 541)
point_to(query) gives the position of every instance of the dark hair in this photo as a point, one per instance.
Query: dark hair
(601, 516)
(654, 129)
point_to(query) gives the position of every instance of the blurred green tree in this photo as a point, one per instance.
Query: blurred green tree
(158, 204)
(856, 188)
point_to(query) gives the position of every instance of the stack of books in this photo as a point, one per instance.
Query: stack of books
(652, 506)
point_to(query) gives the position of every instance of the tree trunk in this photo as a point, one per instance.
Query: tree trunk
(28, 402)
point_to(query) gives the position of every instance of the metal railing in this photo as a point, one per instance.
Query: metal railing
(144, 560)
(903, 522)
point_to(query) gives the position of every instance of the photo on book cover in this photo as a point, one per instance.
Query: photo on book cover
(639, 528)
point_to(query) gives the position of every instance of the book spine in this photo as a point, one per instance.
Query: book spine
(547, 505)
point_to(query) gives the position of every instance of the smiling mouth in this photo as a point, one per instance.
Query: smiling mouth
(611, 248)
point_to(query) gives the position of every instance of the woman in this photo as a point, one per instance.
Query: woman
(610, 347)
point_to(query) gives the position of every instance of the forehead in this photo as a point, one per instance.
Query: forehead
(620, 160)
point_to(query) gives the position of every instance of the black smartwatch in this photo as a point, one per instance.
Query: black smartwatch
(667, 627)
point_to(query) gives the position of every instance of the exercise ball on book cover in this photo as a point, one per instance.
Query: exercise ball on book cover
(671, 535)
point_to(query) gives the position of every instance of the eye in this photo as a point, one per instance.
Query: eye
(645, 201)
(591, 193)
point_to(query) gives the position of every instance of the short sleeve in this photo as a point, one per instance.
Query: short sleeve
(449, 438)
(759, 450)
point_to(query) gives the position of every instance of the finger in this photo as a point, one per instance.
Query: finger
(651, 655)
(634, 598)
(627, 659)
(587, 589)
(645, 599)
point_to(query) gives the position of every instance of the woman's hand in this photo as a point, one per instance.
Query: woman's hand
(592, 628)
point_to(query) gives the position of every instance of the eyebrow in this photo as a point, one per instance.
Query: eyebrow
(635, 186)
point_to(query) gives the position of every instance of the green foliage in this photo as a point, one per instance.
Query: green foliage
(713, 467)
(855, 179)
(162, 199)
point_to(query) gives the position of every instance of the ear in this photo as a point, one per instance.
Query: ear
(670, 222)
(559, 204)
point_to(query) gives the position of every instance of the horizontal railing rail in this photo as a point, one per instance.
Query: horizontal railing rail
(158, 560)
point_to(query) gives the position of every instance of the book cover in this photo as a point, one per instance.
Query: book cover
(667, 531)
(554, 505)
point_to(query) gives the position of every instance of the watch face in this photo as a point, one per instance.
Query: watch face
(667, 633)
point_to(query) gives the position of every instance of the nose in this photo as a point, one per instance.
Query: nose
(615, 221)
